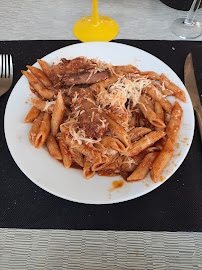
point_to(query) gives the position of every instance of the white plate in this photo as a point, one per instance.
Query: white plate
(69, 184)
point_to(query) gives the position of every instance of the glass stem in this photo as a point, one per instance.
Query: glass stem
(192, 12)
(95, 19)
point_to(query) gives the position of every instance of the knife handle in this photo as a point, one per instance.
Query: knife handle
(198, 110)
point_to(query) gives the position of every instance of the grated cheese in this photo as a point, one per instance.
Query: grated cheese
(75, 98)
(48, 105)
(76, 114)
(103, 121)
(111, 151)
(129, 161)
(79, 136)
(77, 133)
(92, 117)
(121, 91)
(129, 89)
(83, 111)
(102, 66)
(76, 108)
(89, 100)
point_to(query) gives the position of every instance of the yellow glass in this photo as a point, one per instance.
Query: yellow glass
(95, 27)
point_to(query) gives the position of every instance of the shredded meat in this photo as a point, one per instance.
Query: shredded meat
(91, 119)
(77, 71)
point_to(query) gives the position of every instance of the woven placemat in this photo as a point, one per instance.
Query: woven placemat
(91, 250)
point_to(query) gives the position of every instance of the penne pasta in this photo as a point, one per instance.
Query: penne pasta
(111, 167)
(161, 143)
(36, 93)
(99, 146)
(32, 115)
(128, 164)
(139, 157)
(45, 66)
(104, 118)
(110, 170)
(149, 101)
(64, 129)
(43, 105)
(53, 147)
(58, 114)
(138, 132)
(121, 119)
(167, 92)
(92, 154)
(101, 165)
(144, 143)
(151, 75)
(166, 118)
(87, 172)
(44, 130)
(132, 122)
(104, 163)
(143, 168)
(118, 131)
(64, 148)
(142, 121)
(162, 88)
(149, 114)
(173, 126)
(110, 142)
(40, 76)
(77, 156)
(176, 91)
(35, 128)
(157, 96)
(159, 111)
(162, 160)
(38, 104)
(38, 86)
(125, 69)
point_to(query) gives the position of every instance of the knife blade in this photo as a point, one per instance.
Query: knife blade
(191, 86)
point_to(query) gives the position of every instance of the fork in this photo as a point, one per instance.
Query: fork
(6, 73)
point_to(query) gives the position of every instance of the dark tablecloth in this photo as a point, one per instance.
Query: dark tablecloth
(174, 206)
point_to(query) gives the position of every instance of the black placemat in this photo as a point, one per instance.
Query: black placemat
(174, 206)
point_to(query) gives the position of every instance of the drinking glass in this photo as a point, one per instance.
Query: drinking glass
(95, 27)
(187, 28)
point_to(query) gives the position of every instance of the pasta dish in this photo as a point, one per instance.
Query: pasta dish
(105, 119)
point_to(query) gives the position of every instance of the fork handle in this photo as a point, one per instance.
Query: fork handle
(198, 110)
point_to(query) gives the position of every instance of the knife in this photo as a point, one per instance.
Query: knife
(190, 84)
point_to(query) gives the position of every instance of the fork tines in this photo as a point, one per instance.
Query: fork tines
(6, 66)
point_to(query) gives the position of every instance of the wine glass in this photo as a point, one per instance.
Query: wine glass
(187, 28)
(95, 27)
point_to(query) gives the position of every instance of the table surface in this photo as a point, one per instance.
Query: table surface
(137, 19)
(53, 249)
